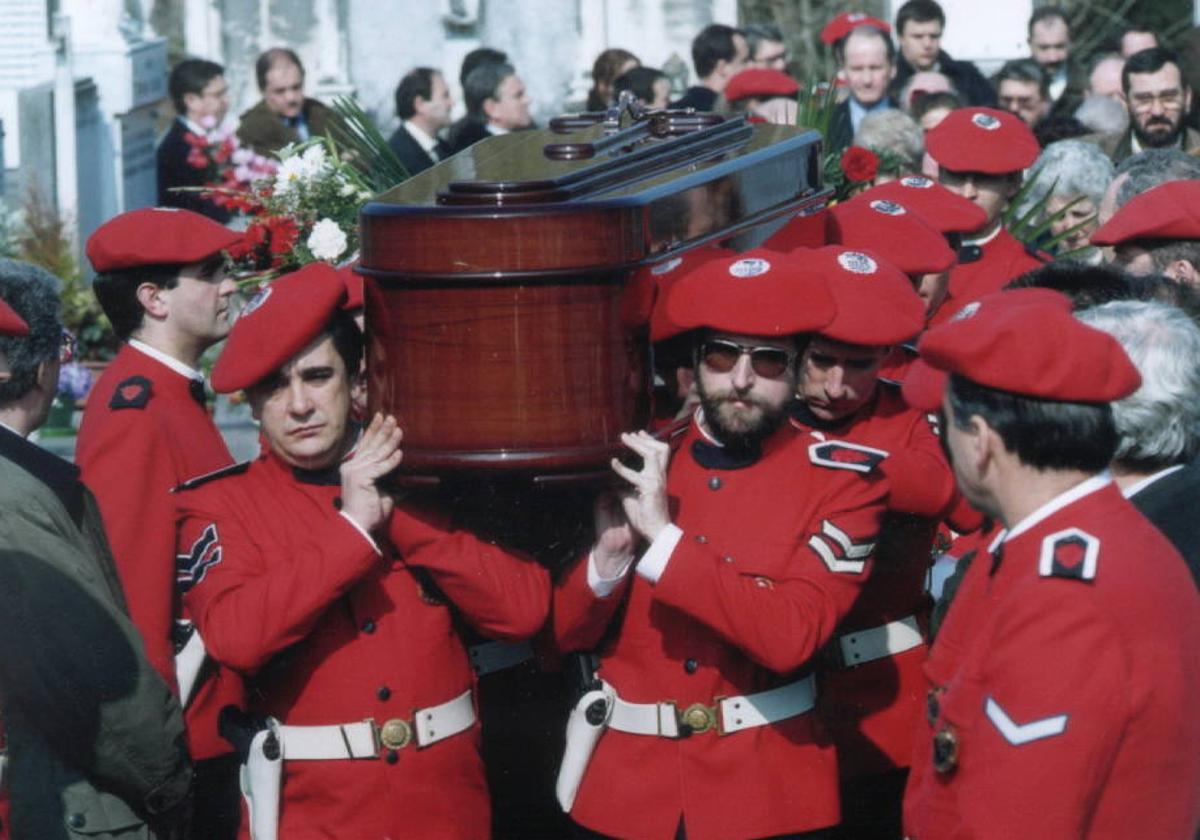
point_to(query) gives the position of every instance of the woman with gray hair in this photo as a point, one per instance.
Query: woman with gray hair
(1159, 424)
(896, 132)
(1069, 170)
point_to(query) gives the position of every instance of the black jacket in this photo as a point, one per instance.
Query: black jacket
(466, 133)
(414, 158)
(1170, 503)
(174, 171)
(964, 75)
(699, 97)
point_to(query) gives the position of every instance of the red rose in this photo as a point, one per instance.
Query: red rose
(859, 164)
(284, 234)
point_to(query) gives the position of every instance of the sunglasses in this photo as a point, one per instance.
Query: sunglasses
(721, 356)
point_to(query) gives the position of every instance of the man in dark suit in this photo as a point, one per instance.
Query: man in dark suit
(867, 58)
(718, 54)
(496, 104)
(423, 105)
(284, 115)
(919, 27)
(201, 99)
(1155, 464)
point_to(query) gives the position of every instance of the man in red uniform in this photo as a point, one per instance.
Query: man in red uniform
(981, 154)
(872, 690)
(1063, 681)
(757, 540)
(342, 608)
(161, 281)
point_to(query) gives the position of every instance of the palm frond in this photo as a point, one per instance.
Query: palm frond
(366, 146)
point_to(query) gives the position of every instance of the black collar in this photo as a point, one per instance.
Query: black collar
(60, 477)
(801, 413)
(327, 477)
(713, 457)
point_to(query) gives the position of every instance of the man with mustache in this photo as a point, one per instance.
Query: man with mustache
(1158, 99)
(725, 568)
(161, 280)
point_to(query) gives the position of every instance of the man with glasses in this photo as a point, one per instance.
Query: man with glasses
(161, 280)
(1159, 99)
(723, 569)
(95, 741)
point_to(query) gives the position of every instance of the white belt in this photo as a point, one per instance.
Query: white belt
(365, 738)
(490, 657)
(878, 642)
(730, 714)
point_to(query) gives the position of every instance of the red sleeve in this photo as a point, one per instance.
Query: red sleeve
(780, 603)
(130, 470)
(921, 480)
(498, 593)
(1053, 707)
(250, 606)
(579, 618)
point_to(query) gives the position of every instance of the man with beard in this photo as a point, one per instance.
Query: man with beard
(1158, 99)
(726, 567)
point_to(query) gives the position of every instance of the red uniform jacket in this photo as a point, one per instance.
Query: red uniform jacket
(742, 605)
(1000, 260)
(1063, 685)
(327, 631)
(872, 709)
(143, 434)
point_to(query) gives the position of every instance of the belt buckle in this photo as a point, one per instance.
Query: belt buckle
(395, 734)
(697, 718)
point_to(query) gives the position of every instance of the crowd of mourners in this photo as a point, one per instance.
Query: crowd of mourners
(909, 548)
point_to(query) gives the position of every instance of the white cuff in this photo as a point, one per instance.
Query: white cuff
(602, 587)
(360, 530)
(654, 561)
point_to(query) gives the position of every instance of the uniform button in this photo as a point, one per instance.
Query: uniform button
(76, 821)
(383, 692)
(714, 483)
(391, 757)
(700, 538)
(690, 666)
(727, 559)
(368, 626)
(337, 502)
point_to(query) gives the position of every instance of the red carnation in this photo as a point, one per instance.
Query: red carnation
(859, 164)
(284, 233)
(254, 237)
(197, 159)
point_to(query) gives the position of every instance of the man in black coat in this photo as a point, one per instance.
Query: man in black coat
(719, 53)
(496, 104)
(201, 99)
(423, 105)
(867, 59)
(919, 27)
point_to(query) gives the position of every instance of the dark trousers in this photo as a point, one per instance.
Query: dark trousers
(872, 807)
(216, 799)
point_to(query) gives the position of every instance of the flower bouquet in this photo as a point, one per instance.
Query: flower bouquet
(229, 169)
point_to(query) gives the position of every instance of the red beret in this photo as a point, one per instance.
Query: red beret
(891, 232)
(941, 209)
(759, 292)
(662, 277)
(876, 304)
(1025, 341)
(353, 282)
(1169, 211)
(10, 322)
(847, 22)
(807, 231)
(982, 140)
(760, 83)
(276, 325)
(154, 236)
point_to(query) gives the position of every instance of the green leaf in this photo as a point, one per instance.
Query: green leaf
(365, 146)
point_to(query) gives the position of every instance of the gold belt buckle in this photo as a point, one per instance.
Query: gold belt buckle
(395, 734)
(698, 718)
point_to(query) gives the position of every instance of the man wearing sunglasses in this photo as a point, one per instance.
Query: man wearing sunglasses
(730, 559)
(161, 280)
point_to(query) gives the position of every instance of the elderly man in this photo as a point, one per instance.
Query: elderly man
(919, 28)
(766, 47)
(342, 608)
(1157, 231)
(95, 739)
(1021, 89)
(1062, 684)
(719, 53)
(496, 104)
(160, 278)
(423, 104)
(284, 114)
(756, 541)
(981, 155)
(1158, 98)
(867, 59)
(1159, 425)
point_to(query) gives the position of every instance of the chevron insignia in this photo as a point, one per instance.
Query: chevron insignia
(1023, 733)
(1071, 553)
(841, 455)
(205, 553)
(838, 551)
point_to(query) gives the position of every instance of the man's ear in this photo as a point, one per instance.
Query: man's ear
(489, 106)
(1184, 272)
(153, 301)
(984, 444)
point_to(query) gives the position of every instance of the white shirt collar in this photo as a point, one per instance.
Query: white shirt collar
(985, 239)
(194, 128)
(699, 418)
(495, 129)
(1133, 489)
(427, 143)
(1083, 488)
(170, 361)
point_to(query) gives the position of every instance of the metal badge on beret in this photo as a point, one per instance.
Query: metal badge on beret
(986, 121)
(751, 267)
(889, 208)
(919, 182)
(857, 262)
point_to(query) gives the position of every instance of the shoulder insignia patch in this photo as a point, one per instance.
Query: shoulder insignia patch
(205, 553)
(838, 551)
(133, 392)
(841, 455)
(1069, 554)
(1018, 734)
(200, 480)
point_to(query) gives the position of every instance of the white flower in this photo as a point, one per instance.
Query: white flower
(327, 242)
(316, 162)
(301, 170)
(289, 176)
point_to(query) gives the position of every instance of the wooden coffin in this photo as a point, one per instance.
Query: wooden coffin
(503, 329)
